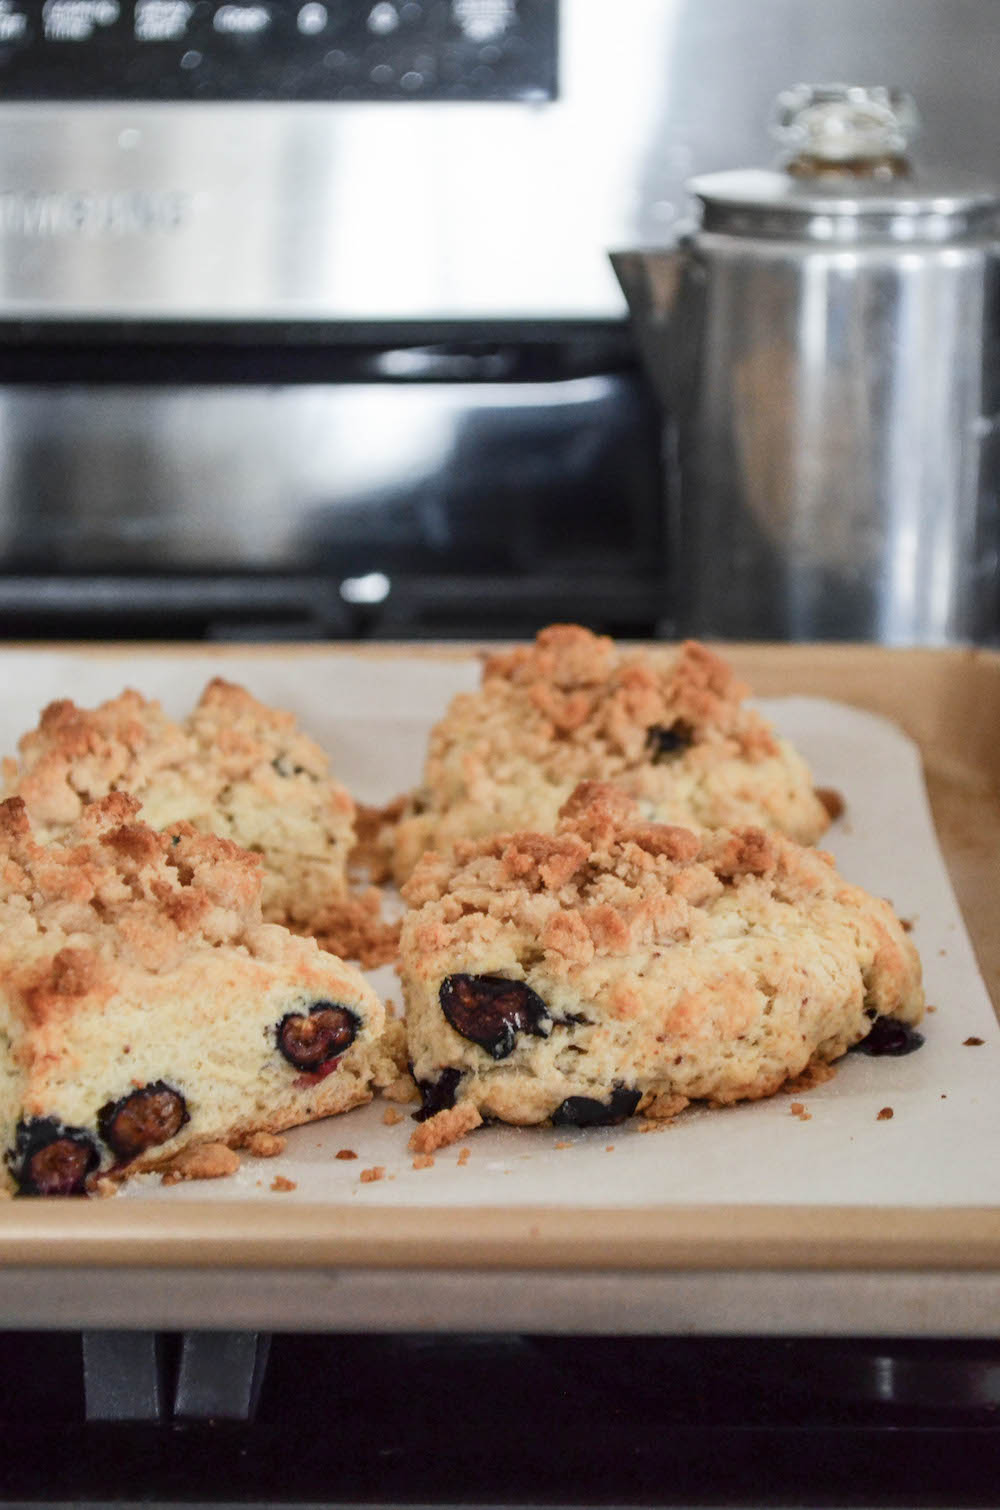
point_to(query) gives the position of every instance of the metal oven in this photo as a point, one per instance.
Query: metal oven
(292, 342)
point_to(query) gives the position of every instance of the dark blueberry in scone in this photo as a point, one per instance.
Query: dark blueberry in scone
(491, 1010)
(51, 1159)
(310, 1040)
(890, 1036)
(144, 1119)
(285, 766)
(437, 1095)
(663, 742)
(586, 1111)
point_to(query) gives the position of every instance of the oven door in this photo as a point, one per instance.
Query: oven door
(187, 487)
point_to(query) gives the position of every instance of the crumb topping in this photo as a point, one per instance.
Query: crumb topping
(235, 768)
(602, 885)
(264, 1145)
(673, 730)
(114, 890)
(353, 928)
(204, 1161)
(444, 1127)
(574, 687)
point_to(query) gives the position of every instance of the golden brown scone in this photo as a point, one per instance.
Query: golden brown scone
(673, 732)
(146, 1008)
(235, 768)
(618, 964)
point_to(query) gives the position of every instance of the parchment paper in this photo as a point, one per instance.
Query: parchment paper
(938, 1149)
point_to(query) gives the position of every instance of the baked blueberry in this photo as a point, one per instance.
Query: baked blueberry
(491, 1011)
(143, 1119)
(437, 1095)
(587, 1111)
(49, 1158)
(665, 741)
(889, 1036)
(309, 1041)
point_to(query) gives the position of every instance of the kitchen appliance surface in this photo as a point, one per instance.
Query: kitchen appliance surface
(272, 359)
(825, 339)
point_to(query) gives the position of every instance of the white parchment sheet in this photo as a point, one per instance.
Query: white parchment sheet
(940, 1147)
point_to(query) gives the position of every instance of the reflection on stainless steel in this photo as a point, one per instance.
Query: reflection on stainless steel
(829, 354)
(312, 221)
(435, 210)
(314, 475)
(373, 587)
(348, 507)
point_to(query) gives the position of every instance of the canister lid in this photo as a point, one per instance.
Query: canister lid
(847, 176)
(921, 207)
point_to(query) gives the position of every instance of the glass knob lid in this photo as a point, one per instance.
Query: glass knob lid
(838, 123)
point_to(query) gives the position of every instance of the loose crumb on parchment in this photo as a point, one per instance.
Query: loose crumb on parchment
(280, 1182)
(424, 1161)
(353, 928)
(264, 1145)
(206, 1161)
(885, 1114)
(369, 1176)
(445, 1127)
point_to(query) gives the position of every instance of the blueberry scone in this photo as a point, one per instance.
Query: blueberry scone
(234, 768)
(674, 733)
(146, 1008)
(618, 965)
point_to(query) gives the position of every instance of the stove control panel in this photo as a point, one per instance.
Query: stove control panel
(331, 50)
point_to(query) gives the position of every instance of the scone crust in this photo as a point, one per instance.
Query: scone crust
(571, 707)
(131, 957)
(235, 768)
(678, 966)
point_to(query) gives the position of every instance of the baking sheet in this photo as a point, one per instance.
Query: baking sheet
(373, 715)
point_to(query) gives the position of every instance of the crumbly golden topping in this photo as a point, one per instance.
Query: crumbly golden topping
(606, 882)
(673, 730)
(115, 889)
(354, 928)
(576, 686)
(129, 744)
(77, 754)
(243, 733)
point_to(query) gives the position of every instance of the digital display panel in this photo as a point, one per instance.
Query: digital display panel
(334, 50)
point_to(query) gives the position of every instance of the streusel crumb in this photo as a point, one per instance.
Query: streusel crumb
(673, 732)
(207, 1161)
(234, 767)
(444, 1128)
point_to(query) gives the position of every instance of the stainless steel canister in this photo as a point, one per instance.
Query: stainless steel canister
(826, 343)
